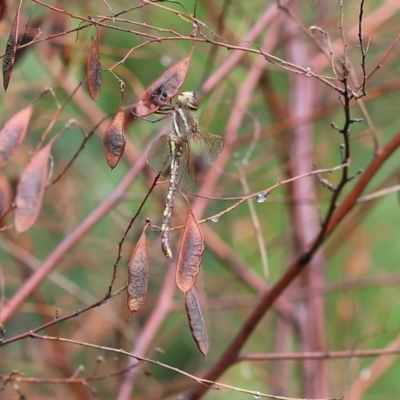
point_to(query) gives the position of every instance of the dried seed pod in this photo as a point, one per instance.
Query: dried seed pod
(190, 253)
(138, 274)
(114, 139)
(196, 321)
(11, 50)
(164, 88)
(30, 189)
(93, 70)
(13, 133)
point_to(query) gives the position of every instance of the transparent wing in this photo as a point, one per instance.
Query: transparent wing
(210, 146)
(186, 171)
(159, 157)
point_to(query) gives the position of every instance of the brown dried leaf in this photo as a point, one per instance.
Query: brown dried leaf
(196, 321)
(5, 196)
(138, 275)
(11, 49)
(93, 68)
(30, 189)
(114, 139)
(164, 88)
(13, 133)
(190, 253)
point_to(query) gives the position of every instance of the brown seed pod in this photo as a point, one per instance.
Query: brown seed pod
(30, 189)
(11, 50)
(196, 321)
(93, 70)
(114, 139)
(138, 274)
(164, 88)
(13, 133)
(190, 253)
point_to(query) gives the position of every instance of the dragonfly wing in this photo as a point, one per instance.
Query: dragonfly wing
(210, 146)
(159, 157)
(186, 171)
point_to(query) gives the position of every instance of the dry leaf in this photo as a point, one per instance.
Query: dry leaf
(138, 274)
(164, 88)
(196, 321)
(30, 189)
(93, 68)
(190, 253)
(11, 49)
(114, 139)
(13, 133)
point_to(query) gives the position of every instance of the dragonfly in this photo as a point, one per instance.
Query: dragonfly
(171, 155)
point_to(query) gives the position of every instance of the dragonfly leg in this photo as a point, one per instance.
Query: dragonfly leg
(165, 115)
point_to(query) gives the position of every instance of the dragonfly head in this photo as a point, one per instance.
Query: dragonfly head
(188, 99)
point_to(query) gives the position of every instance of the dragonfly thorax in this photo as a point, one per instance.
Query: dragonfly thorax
(185, 123)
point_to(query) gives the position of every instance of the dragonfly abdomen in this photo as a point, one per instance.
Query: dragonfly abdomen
(169, 204)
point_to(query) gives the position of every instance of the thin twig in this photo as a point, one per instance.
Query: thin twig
(58, 320)
(363, 51)
(205, 382)
(321, 355)
(128, 228)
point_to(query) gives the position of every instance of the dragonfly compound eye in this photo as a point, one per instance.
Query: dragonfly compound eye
(188, 99)
(193, 103)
